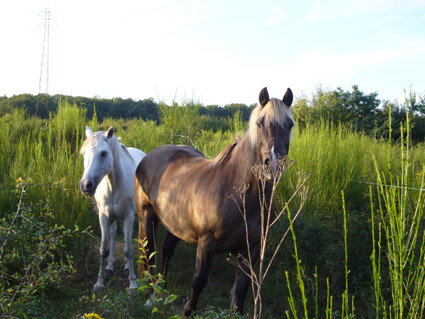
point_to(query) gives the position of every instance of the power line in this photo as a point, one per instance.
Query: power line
(45, 51)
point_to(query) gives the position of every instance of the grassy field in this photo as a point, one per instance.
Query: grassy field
(376, 262)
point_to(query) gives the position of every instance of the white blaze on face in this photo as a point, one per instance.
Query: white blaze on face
(273, 161)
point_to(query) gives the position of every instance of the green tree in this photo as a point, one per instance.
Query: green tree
(338, 106)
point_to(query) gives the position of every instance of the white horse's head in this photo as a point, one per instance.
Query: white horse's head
(98, 158)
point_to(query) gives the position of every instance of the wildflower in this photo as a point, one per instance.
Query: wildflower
(92, 315)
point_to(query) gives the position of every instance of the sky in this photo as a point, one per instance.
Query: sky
(212, 51)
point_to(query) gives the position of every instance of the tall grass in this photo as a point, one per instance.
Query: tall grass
(45, 152)
(397, 241)
(335, 157)
(400, 235)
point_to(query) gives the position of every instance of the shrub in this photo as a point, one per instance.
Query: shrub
(32, 257)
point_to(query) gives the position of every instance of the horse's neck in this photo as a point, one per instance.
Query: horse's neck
(244, 157)
(116, 177)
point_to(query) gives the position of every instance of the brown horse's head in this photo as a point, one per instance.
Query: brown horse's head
(270, 129)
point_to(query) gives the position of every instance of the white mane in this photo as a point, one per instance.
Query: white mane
(98, 137)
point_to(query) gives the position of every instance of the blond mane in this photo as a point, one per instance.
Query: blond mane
(275, 111)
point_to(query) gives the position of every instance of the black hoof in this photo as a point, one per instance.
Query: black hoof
(98, 290)
(109, 274)
(132, 293)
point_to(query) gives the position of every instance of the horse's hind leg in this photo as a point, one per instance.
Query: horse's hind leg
(103, 251)
(111, 258)
(128, 249)
(204, 254)
(168, 247)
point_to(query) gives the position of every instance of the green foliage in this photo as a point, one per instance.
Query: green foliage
(354, 108)
(217, 313)
(94, 123)
(47, 153)
(32, 257)
(336, 151)
(42, 105)
(299, 308)
(161, 299)
(361, 112)
(182, 122)
(400, 233)
(116, 305)
(335, 158)
(121, 304)
(144, 135)
(69, 125)
(415, 103)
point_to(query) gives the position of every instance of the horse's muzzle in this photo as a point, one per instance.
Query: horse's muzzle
(275, 166)
(87, 187)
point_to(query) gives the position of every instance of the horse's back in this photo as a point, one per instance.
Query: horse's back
(167, 179)
(152, 167)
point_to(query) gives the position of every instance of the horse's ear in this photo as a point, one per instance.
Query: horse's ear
(110, 132)
(88, 131)
(264, 97)
(288, 97)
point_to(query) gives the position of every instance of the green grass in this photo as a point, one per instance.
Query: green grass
(45, 152)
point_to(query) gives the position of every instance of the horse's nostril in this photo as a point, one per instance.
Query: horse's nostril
(267, 161)
(86, 186)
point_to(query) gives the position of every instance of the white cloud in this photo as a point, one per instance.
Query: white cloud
(277, 16)
(315, 13)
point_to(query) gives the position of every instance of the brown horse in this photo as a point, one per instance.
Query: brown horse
(192, 196)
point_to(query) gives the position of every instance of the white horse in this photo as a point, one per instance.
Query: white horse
(109, 169)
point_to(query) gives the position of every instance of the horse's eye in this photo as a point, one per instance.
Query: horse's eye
(104, 153)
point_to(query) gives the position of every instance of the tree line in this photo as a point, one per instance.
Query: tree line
(361, 111)
(42, 105)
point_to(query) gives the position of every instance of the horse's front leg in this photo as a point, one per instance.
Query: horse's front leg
(242, 280)
(204, 254)
(111, 257)
(147, 226)
(128, 249)
(105, 226)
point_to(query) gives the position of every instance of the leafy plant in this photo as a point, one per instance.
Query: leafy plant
(116, 304)
(161, 299)
(32, 257)
(217, 313)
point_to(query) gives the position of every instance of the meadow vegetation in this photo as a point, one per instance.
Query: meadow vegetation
(356, 250)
